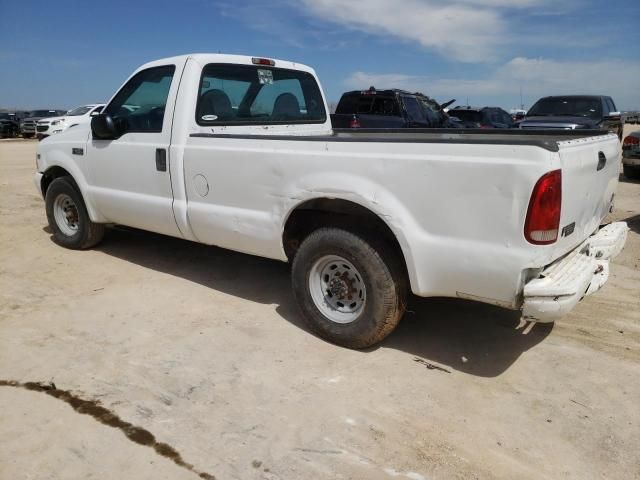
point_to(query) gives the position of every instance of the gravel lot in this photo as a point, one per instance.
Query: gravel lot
(201, 366)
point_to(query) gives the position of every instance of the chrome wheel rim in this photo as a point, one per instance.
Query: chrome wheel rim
(65, 213)
(337, 289)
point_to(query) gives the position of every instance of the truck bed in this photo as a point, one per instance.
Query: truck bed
(547, 139)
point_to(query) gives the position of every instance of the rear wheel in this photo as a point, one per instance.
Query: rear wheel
(68, 217)
(350, 292)
(631, 171)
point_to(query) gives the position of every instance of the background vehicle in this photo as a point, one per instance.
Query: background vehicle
(517, 115)
(9, 128)
(482, 117)
(570, 112)
(391, 108)
(239, 152)
(28, 125)
(631, 155)
(631, 117)
(73, 117)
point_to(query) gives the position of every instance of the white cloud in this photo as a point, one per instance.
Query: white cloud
(537, 77)
(465, 30)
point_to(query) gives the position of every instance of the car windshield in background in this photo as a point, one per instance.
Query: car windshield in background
(244, 94)
(78, 111)
(43, 113)
(567, 107)
(466, 115)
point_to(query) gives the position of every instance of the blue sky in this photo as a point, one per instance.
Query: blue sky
(65, 53)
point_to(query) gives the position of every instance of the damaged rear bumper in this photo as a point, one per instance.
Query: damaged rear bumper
(561, 285)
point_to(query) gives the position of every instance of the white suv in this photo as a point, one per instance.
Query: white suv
(52, 125)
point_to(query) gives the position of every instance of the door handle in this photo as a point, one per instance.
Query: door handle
(161, 160)
(602, 161)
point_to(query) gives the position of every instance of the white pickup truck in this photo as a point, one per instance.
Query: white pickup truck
(239, 152)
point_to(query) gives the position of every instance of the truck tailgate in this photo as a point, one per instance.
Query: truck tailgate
(590, 170)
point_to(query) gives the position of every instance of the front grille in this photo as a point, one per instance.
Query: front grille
(42, 128)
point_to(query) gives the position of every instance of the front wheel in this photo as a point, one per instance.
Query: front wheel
(350, 292)
(68, 218)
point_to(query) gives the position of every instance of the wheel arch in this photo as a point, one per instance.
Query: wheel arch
(56, 171)
(313, 213)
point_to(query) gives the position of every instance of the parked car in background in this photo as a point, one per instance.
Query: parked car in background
(482, 117)
(15, 116)
(76, 116)
(28, 125)
(631, 156)
(632, 117)
(9, 124)
(518, 115)
(391, 108)
(9, 128)
(570, 112)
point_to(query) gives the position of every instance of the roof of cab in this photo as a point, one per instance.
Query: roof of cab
(205, 58)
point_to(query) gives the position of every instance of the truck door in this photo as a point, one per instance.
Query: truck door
(129, 176)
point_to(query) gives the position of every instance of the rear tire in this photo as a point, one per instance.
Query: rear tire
(68, 218)
(350, 292)
(631, 171)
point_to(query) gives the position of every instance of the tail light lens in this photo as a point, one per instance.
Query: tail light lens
(354, 123)
(543, 215)
(631, 140)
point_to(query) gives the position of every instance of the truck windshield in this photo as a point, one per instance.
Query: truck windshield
(246, 94)
(567, 106)
(78, 111)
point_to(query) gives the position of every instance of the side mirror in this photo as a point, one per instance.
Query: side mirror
(103, 127)
(614, 116)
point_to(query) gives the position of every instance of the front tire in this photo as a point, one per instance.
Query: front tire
(350, 292)
(68, 218)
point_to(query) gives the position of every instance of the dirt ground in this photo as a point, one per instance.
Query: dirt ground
(172, 360)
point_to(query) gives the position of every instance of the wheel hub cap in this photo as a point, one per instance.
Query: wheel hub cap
(65, 213)
(337, 288)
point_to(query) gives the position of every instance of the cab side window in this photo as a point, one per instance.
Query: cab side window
(139, 106)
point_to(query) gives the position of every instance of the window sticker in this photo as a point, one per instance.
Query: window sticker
(209, 118)
(265, 77)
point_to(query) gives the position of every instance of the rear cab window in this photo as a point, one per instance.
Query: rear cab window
(232, 94)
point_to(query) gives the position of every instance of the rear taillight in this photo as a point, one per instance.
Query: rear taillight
(354, 123)
(631, 140)
(543, 216)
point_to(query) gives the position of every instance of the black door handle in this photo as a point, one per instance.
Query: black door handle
(602, 161)
(161, 160)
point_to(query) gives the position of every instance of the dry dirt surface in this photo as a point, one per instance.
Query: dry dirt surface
(152, 357)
